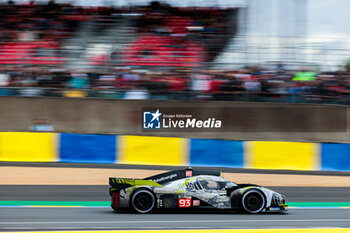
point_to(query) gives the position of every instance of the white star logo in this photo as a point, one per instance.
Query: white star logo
(156, 115)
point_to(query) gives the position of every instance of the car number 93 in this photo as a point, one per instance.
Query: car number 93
(185, 202)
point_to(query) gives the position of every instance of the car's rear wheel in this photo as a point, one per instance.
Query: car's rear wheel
(143, 201)
(253, 201)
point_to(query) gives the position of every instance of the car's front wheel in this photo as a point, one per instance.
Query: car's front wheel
(143, 201)
(253, 201)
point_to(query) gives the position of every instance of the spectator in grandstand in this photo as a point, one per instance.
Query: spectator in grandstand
(104, 81)
(231, 84)
(252, 84)
(78, 81)
(137, 93)
(4, 78)
(305, 76)
(200, 82)
(177, 82)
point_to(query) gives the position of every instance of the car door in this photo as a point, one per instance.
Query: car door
(209, 191)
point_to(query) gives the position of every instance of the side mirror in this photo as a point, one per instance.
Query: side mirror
(229, 186)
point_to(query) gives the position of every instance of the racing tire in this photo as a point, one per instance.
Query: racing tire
(253, 201)
(143, 201)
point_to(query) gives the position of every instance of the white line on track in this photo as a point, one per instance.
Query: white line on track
(181, 221)
(108, 207)
(106, 228)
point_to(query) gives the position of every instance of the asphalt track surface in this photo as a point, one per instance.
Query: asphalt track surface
(100, 193)
(163, 167)
(21, 219)
(103, 218)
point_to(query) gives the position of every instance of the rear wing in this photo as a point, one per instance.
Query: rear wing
(122, 183)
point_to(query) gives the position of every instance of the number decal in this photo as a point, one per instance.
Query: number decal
(185, 202)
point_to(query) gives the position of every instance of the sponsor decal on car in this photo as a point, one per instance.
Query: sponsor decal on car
(165, 178)
(196, 203)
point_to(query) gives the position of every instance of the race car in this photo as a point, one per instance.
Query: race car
(191, 188)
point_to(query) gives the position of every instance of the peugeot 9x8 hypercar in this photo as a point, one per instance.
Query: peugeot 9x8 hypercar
(192, 189)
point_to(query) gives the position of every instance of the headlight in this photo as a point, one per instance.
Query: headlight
(277, 199)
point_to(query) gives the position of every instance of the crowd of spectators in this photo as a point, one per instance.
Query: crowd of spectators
(165, 61)
(170, 36)
(29, 22)
(251, 83)
(32, 32)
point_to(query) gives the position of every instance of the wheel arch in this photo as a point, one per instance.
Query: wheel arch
(147, 189)
(252, 189)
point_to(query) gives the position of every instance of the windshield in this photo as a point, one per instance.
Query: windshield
(210, 184)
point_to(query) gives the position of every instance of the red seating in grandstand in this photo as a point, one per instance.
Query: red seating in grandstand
(178, 25)
(153, 50)
(177, 36)
(25, 53)
(167, 39)
(99, 60)
(21, 24)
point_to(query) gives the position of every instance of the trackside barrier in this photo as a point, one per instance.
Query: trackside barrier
(86, 148)
(282, 155)
(220, 153)
(152, 150)
(82, 148)
(28, 147)
(335, 157)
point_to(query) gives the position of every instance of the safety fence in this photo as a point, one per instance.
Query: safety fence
(175, 95)
(121, 149)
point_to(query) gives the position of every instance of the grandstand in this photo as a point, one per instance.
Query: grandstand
(86, 37)
(160, 51)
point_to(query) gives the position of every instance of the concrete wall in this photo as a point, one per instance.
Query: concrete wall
(242, 120)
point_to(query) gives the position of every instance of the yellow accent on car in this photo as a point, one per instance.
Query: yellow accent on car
(180, 191)
(135, 182)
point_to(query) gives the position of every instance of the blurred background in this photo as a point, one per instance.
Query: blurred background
(69, 68)
(250, 50)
